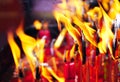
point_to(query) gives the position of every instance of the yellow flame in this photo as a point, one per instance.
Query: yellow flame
(37, 24)
(46, 74)
(14, 48)
(95, 13)
(72, 51)
(40, 44)
(60, 38)
(87, 30)
(28, 44)
(106, 34)
(59, 54)
(72, 30)
(114, 9)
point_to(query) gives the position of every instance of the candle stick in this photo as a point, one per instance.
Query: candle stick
(69, 69)
(78, 65)
(20, 70)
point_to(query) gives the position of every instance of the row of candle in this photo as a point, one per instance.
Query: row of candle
(83, 62)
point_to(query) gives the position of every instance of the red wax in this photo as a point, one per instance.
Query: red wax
(78, 68)
(69, 71)
(69, 41)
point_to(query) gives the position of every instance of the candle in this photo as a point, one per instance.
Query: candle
(45, 32)
(69, 69)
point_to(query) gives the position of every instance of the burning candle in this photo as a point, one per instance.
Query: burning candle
(69, 69)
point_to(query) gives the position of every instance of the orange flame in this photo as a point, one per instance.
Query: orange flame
(72, 51)
(59, 54)
(46, 74)
(14, 48)
(37, 24)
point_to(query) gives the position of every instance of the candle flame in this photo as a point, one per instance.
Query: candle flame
(14, 48)
(28, 44)
(87, 30)
(95, 13)
(114, 9)
(72, 30)
(60, 38)
(37, 24)
(106, 34)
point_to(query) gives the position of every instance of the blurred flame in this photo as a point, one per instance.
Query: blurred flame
(60, 38)
(37, 24)
(59, 54)
(87, 30)
(114, 9)
(46, 74)
(28, 44)
(105, 4)
(95, 13)
(67, 56)
(14, 48)
(59, 79)
(106, 34)
(72, 30)
(40, 44)
(72, 51)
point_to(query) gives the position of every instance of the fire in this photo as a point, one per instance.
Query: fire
(87, 30)
(37, 24)
(60, 38)
(95, 14)
(106, 34)
(72, 30)
(40, 44)
(114, 9)
(14, 48)
(59, 54)
(59, 79)
(28, 44)
(72, 51)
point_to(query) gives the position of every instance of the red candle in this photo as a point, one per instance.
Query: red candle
(45, 32)
(69, 71)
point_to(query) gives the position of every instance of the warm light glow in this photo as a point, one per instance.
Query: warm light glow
(37, 24)
(60, 38)
(14, 48)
